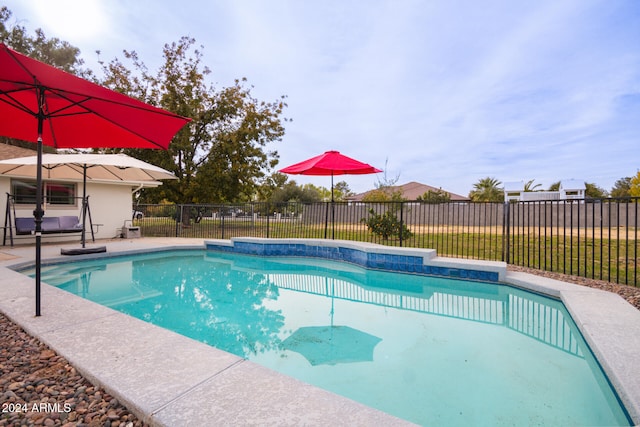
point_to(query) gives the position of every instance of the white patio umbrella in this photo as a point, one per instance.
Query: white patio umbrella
(95, 167)
(92, 167)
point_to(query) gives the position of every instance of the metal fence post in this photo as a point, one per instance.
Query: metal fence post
(326, 219)
(222, 222)
(268, 212)
(401, 222)
(507, 233)
(178, 219)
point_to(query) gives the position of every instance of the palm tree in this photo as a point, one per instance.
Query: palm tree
(487, 190)
(530, 187)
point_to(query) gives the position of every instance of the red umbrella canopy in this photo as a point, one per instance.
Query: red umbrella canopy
(75, 113)
(43, 104)
(330, 163)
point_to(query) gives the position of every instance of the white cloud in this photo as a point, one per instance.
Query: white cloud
(78, 20)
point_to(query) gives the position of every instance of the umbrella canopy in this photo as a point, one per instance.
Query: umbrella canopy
(40, 103)
(329, 345)
(329, 164)
(93, 167)
(73, 112)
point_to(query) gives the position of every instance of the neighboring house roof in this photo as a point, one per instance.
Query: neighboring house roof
(12, 152)
(411, 191)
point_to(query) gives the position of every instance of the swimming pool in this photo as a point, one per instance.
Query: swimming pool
(490, 336)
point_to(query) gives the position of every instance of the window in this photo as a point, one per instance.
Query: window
(55, 193)
(60, 194)
(24, 192)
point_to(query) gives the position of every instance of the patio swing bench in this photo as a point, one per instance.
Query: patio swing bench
(50, 225)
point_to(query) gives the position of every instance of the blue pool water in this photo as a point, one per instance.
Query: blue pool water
(430, 350)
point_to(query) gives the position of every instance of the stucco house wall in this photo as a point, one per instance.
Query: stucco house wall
(110, 205)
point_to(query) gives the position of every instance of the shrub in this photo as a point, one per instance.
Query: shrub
(386, 225)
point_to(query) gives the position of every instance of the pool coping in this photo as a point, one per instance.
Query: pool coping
(215, 385)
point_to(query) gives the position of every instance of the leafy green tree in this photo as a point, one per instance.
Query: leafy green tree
(269, 184)
(634, 189)
(386, 225)
(437, 196)
(341, 191)
(621, 187)
(593, 191)
(292, 192)
(223, 155)
(555, 186)
(487, 190)
(381, 195)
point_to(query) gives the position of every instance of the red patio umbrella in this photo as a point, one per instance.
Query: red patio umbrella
(330, 163)
(40, 103)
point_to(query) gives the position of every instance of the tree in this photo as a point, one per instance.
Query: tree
(385, 190)
(222, 155)
(270, 184)
(621, 187)
(292, 192)
(593, 191)
(437, 196)
(341, 191)
(386, 225)
(529, 187)
(634, 189)
(487, 190)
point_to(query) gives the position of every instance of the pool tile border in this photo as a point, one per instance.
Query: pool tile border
(403, 260)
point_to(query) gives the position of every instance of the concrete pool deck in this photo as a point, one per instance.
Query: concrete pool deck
(167, 379)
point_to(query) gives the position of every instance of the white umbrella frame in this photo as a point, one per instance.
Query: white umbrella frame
(94, 167)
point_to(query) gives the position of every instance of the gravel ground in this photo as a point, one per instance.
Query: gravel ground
(41, 388)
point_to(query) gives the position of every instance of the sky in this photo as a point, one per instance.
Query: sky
(442, 92)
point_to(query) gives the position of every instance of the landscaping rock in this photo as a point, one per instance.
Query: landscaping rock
(39, 387)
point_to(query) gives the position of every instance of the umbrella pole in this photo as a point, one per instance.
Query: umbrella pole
(331, 186)
(333, 212)
(38, 212)
(84, 204)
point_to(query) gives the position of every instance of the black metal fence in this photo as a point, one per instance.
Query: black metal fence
(590, 238)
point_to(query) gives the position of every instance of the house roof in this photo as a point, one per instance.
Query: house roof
(13, 152)
(411, 191)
